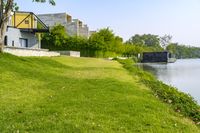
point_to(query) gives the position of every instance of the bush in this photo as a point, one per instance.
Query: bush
(102, 44)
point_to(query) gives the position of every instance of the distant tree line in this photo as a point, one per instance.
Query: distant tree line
(183, 51)
(104, 43)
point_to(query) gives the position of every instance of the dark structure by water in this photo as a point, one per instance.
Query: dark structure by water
(154, 57)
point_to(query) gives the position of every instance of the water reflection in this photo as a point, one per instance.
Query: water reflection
(184, 74)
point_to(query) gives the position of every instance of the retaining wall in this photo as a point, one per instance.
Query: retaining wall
(29, 52)
(70, 53)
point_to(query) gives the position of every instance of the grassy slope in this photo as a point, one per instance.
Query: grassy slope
(64, 94)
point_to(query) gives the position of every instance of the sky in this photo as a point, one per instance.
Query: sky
(179, 18)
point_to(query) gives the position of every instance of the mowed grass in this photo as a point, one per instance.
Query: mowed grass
(64, 94)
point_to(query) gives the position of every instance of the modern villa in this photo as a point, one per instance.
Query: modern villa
(23, 35)
(24, 30)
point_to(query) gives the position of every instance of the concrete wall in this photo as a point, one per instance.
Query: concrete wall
(84, 31)
(14, 35)
(70, 53)
(53, 19)
(73, 27)
(29, 52)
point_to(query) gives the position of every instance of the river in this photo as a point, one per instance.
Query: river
(184, 75)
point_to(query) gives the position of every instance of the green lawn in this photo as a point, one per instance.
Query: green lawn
(64, 94)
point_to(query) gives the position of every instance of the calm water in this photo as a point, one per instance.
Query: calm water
(184, 75)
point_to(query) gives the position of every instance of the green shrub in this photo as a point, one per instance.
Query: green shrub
(101, 44)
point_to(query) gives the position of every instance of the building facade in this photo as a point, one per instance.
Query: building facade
(73, 27)
(24, 30)
(16, 38)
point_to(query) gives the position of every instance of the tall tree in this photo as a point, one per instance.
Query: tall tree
(6, 7)
(136, 40)
(165, 41)
(145, 40)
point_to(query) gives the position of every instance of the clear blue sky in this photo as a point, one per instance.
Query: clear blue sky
(179, 18)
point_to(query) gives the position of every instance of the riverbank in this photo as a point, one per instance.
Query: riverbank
(182, 103)
(64, 94)
(184, 75)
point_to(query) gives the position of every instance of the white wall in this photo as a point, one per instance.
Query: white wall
(14, 34)
(29, 52)
(70, 53)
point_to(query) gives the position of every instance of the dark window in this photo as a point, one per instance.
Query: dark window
(6, 40)
(23, 42)
(26, 21)
(13, 43)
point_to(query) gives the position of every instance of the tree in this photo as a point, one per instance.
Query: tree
(6, 8)
(57, 39)
(145, 40)
(151, 40)
(183, 51)
(57, 36)
(165, 41)
(136, 40)
(103, 40)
